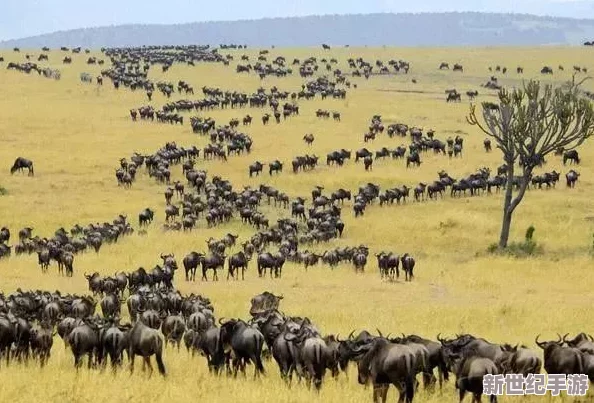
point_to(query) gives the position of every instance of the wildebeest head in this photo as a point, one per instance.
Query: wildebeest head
(547, 345)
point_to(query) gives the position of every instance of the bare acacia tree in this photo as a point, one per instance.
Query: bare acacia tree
(529, 123)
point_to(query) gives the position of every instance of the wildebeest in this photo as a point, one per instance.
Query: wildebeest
(519, 360)
(265, 302)
(145, 217)
(191, 262)
(382, 363)
(559, 359)
(470, 369)
(173, 328)
(256, 168)
(408, 264)
(84, 340)
(145, 341)
(246, 343)
(572, 156)
(414, 159)
(453, 97)
(21, 163)
(487, 145)
(275, 166)
(236, 262)
(213, 261)
(571, 178)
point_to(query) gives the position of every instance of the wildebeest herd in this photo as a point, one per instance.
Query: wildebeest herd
(160, 314)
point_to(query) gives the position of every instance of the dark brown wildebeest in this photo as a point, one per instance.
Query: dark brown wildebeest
(546, 70)
(571, 178)
(263, 303)
(275, 166)
(458, 67)
(43, 258)
(145, 341)
(246, 343)
(453, 97)
(4, 235)
(487, 144)
(25, 233)
(559, 359)
(408, 264)
(368, 162)
(20, 164)
(414, 159)
(41, 340)
(472, 94)
(191, 263)
(145, 217)
(173, 328)
(519, 360)
(382, 363)
(171, 211)
(256, 168)
(470, 369)
(572, 156)
(84, 340)
(236, 262)
(309, 139)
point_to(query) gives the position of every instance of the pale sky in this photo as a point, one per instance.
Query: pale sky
(22, 18)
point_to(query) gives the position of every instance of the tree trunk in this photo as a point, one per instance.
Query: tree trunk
(510, 205)
(507, 213)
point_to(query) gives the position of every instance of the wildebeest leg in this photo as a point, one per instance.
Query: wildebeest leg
(462, 394)
(235, 364)
(380, 392)
(146, 361)
(131, 359)
(215, 277)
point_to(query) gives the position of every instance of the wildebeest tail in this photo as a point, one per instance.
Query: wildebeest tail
(443, 367)
(258, 353)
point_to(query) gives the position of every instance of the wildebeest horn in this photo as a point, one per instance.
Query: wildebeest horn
(379, 332)
(538, 343)
(338, 337)
(590, 337)
(221, 320)
(351, 334)
(564, 336)
(559, 341)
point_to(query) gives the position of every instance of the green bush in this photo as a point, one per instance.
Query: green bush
(3, 191)
(527, 248)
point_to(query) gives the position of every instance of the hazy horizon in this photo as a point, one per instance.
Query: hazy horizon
(25, 18)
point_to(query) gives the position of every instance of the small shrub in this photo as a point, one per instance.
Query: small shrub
(520, 249)
(3, 191)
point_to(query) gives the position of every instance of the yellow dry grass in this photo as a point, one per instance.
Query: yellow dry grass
(76, 133)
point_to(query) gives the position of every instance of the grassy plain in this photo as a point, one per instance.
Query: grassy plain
(76, 134)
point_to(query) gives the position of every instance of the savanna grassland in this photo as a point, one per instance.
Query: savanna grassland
(76, 133)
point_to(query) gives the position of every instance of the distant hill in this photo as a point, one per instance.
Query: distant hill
(425, 29)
